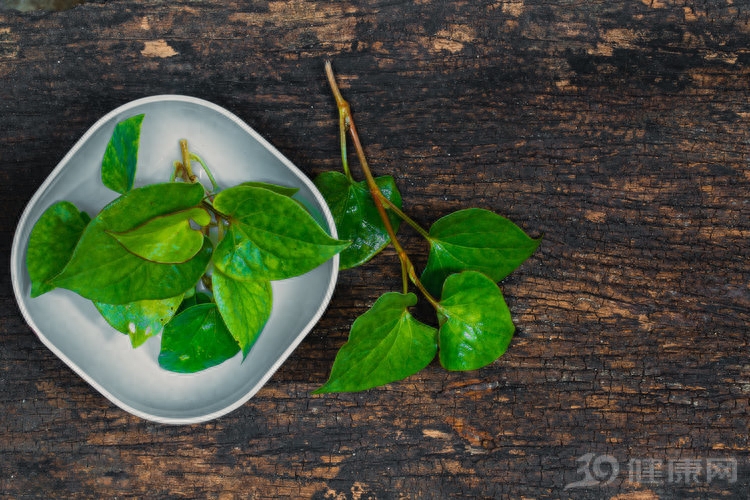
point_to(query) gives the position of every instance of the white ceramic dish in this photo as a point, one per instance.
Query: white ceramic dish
(72, 328)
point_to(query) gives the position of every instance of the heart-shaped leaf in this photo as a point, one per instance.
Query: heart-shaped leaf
(121, 156)
(245, 307)
(51, 243)
(196, 339)
(475, 323)
(385, 344)
(474, 240)
(357, 219)
(270, 236)
(102, 270)
(140, 320)
(167, 239)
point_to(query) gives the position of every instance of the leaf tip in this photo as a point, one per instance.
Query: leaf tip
(323, 389)
(245, 351)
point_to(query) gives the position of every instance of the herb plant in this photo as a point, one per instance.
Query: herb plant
(470, 251)
(192, 263)
(195, 264)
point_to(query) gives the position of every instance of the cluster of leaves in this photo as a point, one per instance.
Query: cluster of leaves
(470, 251)
(176, 258)
(196, 264)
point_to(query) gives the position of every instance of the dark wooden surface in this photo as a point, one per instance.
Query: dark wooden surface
(619, 130)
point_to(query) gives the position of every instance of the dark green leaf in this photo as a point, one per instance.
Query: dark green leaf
(196, 339)
(167, 239)
(244, 305)
(385, 344)
(121, 156)
(357, 219)
(102, 270)
(140, 320)
(51, 243)
(270, 236)
(475, 323)
(474, 240)
(193, 297)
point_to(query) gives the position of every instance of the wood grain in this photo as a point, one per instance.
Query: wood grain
(618, 130)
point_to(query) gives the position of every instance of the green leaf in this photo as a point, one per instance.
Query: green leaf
(385, 344)
(102, 270)
(474, 240)
(140, 320)
(193, 297)
(270, 236)
(285, 190)
(168, 239)
(51, 243)
(196, 339)
(121, 156)
(244, 305)
(475, 323)
(356, 217)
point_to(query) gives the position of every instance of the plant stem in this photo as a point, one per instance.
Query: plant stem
(346, 120)
(392, 206)
(176, 169)
(343, 126)
(197, 158)
(188, 171)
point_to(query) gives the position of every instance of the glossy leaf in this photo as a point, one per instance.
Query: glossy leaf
(51, 243)
(196, 339)
(244, 305)
(284, 190)
(474, 240)
(270, 236)
(121, 156)
(168, 239)
(357, 219)
(102, 270)
(140, 320)
(475, 323)
(386, 344)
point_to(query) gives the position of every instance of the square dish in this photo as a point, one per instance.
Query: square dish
(72, 328)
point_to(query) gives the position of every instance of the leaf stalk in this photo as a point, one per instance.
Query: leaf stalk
(187, 169)
(393, 207)
(344, 118)
(214, 186)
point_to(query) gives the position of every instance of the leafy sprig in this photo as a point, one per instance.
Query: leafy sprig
(469, 252)
(195, 264)
(191, 263)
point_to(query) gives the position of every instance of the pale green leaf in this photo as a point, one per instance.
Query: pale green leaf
(167, 239)
(140, 320)
(245, 306)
